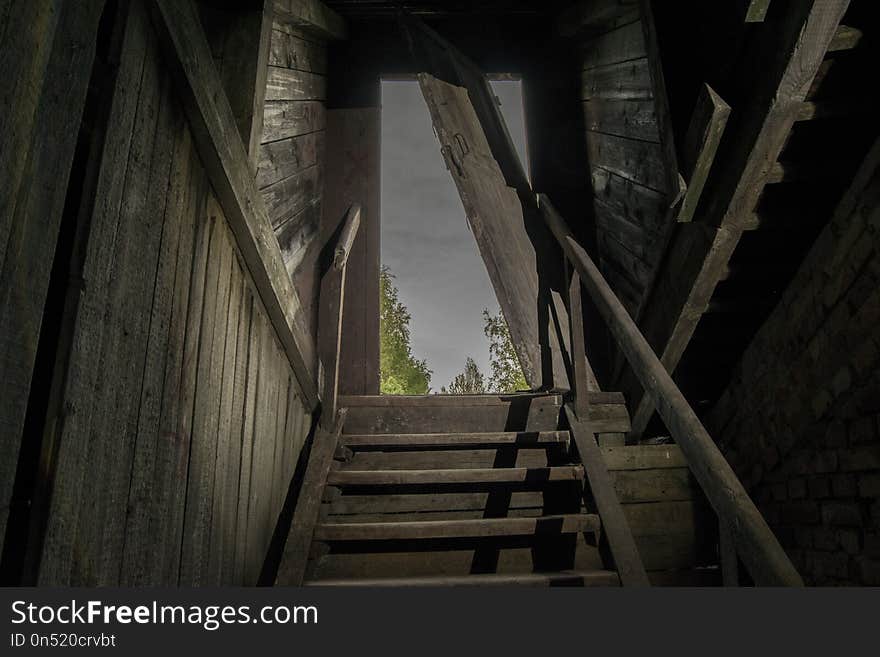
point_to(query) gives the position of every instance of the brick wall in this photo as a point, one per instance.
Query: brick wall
(800, 419)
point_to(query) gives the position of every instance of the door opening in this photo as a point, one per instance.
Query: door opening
(441, 327)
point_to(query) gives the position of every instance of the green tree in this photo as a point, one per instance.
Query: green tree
(507, 375)
(400, 372)
(470, 382)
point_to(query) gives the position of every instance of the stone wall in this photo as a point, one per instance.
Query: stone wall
(800, 419)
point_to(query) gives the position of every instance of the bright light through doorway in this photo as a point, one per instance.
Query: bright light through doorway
(426, 242)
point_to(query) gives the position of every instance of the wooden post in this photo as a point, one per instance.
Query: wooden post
(727, 555)
(292, 568)
(330, 311)
(579, 382)
(616, 528)
(754, 540)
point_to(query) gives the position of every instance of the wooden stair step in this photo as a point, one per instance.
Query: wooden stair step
(483, 439)
(448, 459)
(575, 523)
(392, 414)
(562, 578)
(454, 557)
(455, 476)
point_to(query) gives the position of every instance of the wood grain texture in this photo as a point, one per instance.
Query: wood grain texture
(45, 60)
(225, 159)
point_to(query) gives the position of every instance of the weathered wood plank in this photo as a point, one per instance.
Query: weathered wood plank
(534, 476)
(169, 499)
(700, 146)
(292, 568)
(616, 528)
(524, 439)
(45, 60)
(225, 159)
(289, 118)
(397, 503)
(637, 204)
(643, 457)
(448, 459)
(478, 528)
(240, 39)
(312, 16)
(639, 161)
(661, 485)
(225, 463)
(670, 167)
(283, 158)
(511, 560)
(623, 81)
(562, 578)
(162, 349)
(196, 548)
(290, 51)
(297, 235)
(353, 167)
(238, 471)
(101, 528)
(634, 119)
(619, 45)
(244, 570)
(289, 84)
(288, 197)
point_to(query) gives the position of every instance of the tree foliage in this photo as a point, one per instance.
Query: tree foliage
(507, 375)
(400, 372)
(470, 382)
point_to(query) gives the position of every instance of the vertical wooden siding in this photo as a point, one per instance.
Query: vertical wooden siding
(290, 169)
(625, 156)
(46, 54)
(180, 420)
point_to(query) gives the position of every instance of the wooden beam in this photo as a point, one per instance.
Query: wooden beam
(580, 379)
(311, 16)
(292, 568)
(754, 540)
(616, 528)
(225, 159)
(755, 11)
(700, 146)
(330, 311)
(846, 38)
(681, 294)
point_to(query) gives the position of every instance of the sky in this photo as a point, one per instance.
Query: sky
(425, 238)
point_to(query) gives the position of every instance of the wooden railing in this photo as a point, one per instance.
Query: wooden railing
(743, 528)
(292, 567)
(331, 306)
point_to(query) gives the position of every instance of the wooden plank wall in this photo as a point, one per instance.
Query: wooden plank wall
(291, 163)
(624, 152)
(46, 55)
(668, 514)
(178, 419)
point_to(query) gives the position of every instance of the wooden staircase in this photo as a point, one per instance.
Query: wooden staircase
(473, 490)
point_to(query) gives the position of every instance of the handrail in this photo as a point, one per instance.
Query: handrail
(752, 538)
(330, 313)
